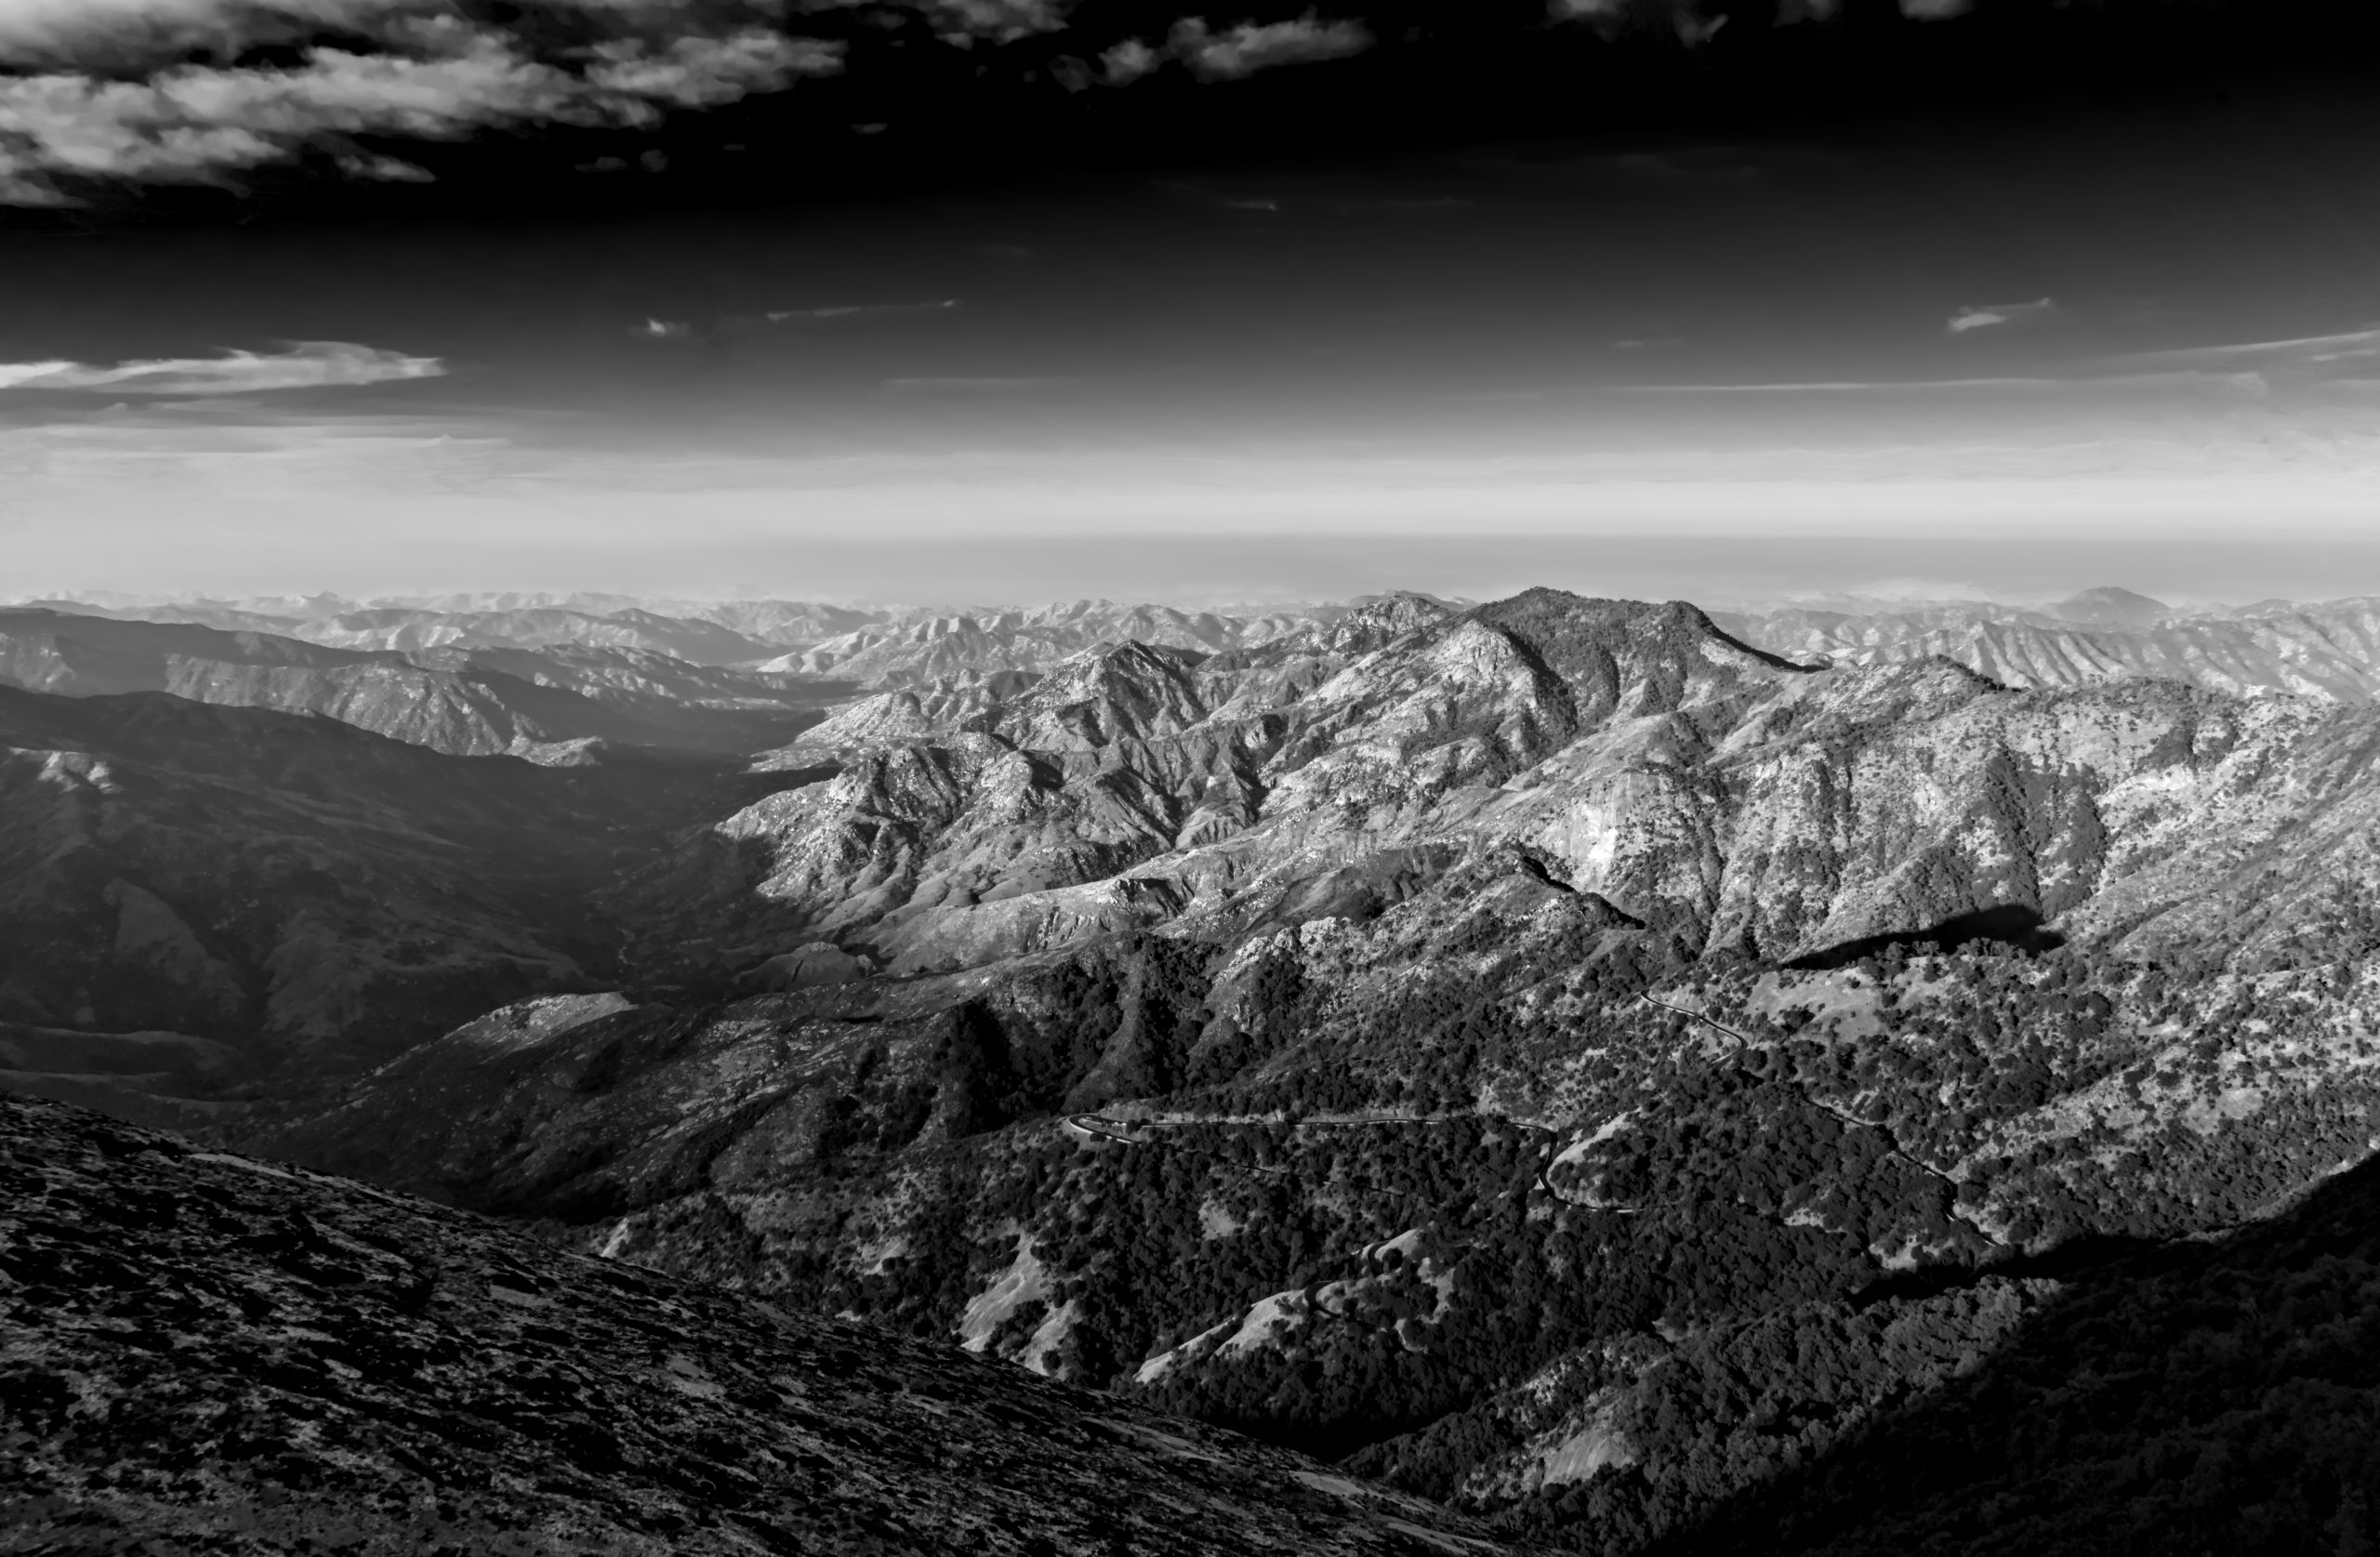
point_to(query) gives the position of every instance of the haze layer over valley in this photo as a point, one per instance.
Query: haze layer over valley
(1441, 1038)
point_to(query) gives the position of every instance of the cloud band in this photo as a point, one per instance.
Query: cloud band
(442, 78)
(305, 366)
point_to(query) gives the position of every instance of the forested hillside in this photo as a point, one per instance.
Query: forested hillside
(1574, 1263)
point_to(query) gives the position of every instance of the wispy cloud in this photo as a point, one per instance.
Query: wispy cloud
(1252, 47)
(305, 366)
(968, 385)
(1000, 20)
(678, 329)
(441, 78)
(2344, 349)
(1994, 315)
(859, 311)
(1846, 386)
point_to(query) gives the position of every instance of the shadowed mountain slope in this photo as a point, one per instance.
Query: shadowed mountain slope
(298, 888)
(200, 1352)
(446, 699)
(466, 712)
(2205, 1397)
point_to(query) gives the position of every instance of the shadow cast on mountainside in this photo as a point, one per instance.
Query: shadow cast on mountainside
(2010, 925)
(2219, 1396)
(2076, 1259)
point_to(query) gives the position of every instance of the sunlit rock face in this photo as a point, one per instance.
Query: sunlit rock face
(1763, 807)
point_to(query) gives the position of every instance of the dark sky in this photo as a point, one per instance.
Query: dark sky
(879, 299)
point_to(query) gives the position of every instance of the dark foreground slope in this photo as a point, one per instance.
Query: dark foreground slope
(2210, 1398)
(199, 1353)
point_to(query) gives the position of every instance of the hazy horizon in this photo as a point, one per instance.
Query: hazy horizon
(1721, 573)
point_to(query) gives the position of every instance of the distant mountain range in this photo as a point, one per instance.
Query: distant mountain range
(2328, 648)
(1594, 1064)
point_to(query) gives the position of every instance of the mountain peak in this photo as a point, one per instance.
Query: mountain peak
(2111, 605)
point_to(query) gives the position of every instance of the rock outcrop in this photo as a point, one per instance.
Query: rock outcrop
(1761, 806)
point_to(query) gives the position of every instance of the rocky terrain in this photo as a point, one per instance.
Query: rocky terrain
(1563, 1058)
(201, 1352)
(914, 652)
(1753, 805)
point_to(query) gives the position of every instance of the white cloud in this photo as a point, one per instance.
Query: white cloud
(311, 365)
(700, 71)
(1995, 314)
(130, 33)
(1249, 47)
(60, 32)
(1130, 61)
(1685, 19)
(1003, 21)
(201, 124)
